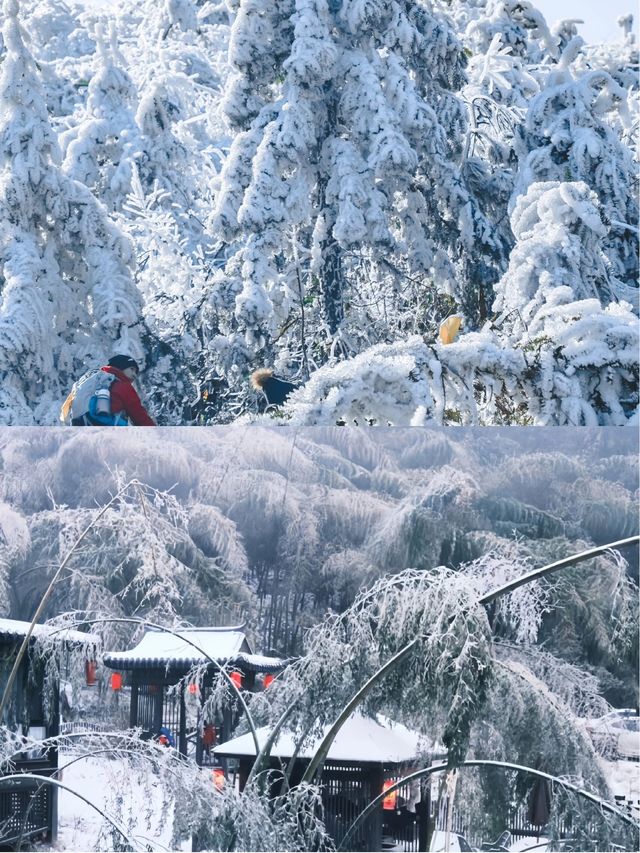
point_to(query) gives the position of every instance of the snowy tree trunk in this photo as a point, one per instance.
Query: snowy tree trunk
(332, 283)
(331, 274)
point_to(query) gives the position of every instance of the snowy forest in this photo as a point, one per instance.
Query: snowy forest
(416, 211)
(369, 560)
(279, 527)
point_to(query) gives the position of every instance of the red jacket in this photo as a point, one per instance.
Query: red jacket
(124, 398)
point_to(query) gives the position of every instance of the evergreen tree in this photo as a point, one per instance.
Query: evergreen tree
(506, 39)
(350, 135)
(566, 137)
(581, 358)
(100, 150)
(67, 297)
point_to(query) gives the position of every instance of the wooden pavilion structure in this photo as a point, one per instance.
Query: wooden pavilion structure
(366, 756)
(167, 705)
(28, 809)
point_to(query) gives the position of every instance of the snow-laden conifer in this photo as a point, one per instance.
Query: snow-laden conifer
(566, 137)
(68, 299)
(350, 134)
(100, 150)
(619, 58)
(580, 346)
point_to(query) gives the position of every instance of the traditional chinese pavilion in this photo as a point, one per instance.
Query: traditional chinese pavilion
(365, 757)
(28, 809)
(168, 706)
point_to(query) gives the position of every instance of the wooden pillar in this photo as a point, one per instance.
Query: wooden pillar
(200, 729)
(227, 724)
(133, 708)
(245, 765)
(373, 837)
(53, 759)
(157, 709)
(182, 737)
(425, 824)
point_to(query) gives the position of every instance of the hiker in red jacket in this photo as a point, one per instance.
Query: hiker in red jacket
(124, 397)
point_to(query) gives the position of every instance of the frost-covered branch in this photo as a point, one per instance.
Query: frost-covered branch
(631, 830)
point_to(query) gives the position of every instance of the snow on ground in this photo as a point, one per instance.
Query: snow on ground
(104, 781)
(94, 4)
(623, 778)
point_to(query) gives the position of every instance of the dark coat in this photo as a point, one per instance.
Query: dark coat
(277, 390)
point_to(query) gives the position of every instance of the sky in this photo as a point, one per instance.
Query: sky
(599, 16)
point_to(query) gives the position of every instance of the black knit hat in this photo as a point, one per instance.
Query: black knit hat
(121, 362)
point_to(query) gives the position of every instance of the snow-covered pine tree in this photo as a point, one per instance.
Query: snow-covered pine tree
(100, 149)
(171, 198)
(520, 24)
(618, 58)
(582, 358)
(67, 297)
(132, 144)
(566, 136)
(505, 39)
(351, 135)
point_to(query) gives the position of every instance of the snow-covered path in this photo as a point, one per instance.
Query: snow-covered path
(108, 783)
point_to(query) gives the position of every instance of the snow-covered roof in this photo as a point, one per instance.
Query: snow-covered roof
(192, 646)
(360, 739)
(13, 629)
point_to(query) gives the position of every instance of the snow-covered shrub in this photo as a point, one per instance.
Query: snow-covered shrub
(411, 383)
(561, 350)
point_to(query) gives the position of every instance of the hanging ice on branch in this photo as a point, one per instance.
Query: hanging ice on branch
(351, 133)
(66, 294)
(454, 671)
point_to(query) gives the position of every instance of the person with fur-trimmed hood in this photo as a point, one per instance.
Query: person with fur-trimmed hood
(274, 389)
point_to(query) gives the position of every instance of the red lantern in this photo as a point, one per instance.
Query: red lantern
(218, 777)
(268, 680)
(236, 677)
(116, 681)
(209, 735)
(390, 802)
(193, 689)
(90, 672)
